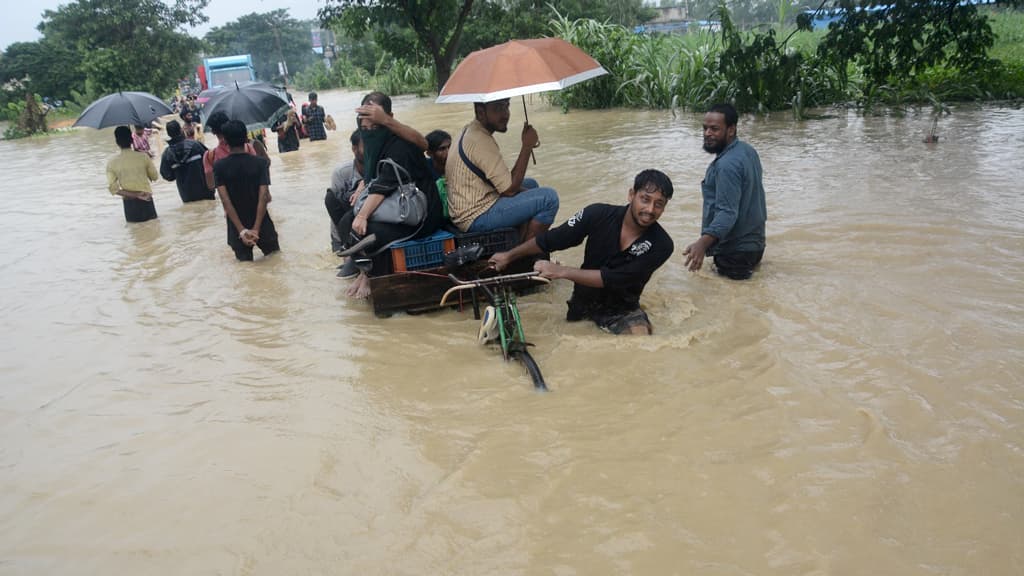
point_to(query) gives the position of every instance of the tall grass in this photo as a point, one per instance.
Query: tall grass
(393, 76)
(693, 70)
(658, 71)
(396, 76)
(758, 73)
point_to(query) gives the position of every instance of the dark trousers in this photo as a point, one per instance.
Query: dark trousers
(138, 210)
(267, 243)
(385, 233)
(738, 265)
(336, 208)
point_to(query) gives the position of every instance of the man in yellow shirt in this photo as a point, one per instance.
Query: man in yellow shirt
(483, 193)
(128, 176)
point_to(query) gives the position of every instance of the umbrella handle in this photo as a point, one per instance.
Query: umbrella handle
(525, 115)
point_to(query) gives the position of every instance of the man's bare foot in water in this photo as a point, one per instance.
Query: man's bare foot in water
(360, 288)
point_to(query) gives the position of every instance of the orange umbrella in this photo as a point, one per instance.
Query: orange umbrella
(517, 68)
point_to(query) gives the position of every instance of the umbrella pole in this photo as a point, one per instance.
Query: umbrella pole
(525, 115)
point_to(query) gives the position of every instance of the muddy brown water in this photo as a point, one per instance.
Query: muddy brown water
(856, 408)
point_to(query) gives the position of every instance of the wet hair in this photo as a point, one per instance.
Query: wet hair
(173, 129)
(727, 110)
(655, 179)
(436, 138)
(379, 98)
(123, 136)
(355, 138)
(216, 121)
(234, 133)
(312, 96)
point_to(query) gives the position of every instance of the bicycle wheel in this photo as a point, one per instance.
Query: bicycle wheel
(531, 367)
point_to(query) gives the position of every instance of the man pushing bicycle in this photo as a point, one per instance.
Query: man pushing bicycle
(625, 245)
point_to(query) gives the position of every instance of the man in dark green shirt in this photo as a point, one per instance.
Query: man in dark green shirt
(732, 226)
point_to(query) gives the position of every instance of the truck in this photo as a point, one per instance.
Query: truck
(226, 70)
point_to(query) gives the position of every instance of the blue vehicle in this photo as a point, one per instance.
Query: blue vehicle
(226, 70)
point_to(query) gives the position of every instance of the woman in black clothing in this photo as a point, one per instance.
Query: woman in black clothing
(287, 128)
(369, 238)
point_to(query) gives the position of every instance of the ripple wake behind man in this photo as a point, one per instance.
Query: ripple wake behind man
(732, 226)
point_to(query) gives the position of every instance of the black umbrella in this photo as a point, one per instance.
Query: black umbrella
(256, 104)
(123, 109)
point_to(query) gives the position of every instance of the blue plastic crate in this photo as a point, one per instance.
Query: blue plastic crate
(423, 253)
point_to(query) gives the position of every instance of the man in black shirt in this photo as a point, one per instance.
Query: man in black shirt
(625, 245)
(182, 162)
(243, 183)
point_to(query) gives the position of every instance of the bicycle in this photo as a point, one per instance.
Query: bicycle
(501, 322)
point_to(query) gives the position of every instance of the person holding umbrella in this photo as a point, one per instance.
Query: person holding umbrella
(128, 176)
(483, 194)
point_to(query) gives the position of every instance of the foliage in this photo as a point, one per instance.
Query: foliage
(436, 24)
(341, 74)
(492, 23)
(270, 38)
(12, 110)
(895, 42)
(125, 44)
(12, 132)
(1008, 28)
(396, 76)
(762, 75)
(362, 53)
(693, 71)
(393, 76)
(609, 44)
(26, 115)
(47, 67)
(626, 13)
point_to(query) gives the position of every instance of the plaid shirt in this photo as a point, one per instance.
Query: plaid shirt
(315, 122)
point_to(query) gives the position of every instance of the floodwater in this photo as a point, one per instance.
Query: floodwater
(856, 408)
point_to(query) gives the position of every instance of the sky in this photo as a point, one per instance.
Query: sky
(20, 25)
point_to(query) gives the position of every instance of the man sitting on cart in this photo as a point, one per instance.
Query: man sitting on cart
(625, 245)
(483, 194)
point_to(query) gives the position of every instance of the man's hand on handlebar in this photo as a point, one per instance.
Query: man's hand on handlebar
(499, 261)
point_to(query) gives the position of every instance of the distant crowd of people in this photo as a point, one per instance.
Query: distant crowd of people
(468, 188)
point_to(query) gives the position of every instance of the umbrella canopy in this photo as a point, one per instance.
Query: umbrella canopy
(255, 104)
(204, 96)
(519, 67)
(123, 109)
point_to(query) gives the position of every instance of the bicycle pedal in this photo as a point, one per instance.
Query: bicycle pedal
(488, 326)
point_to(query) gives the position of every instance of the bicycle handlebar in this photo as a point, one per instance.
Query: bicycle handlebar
(533, 275)
(461, 284)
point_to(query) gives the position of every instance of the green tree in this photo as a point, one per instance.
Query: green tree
(895, 42)
(492, 23)
(127, 44)
(48, 68)
(436, 25)
(270, 38)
